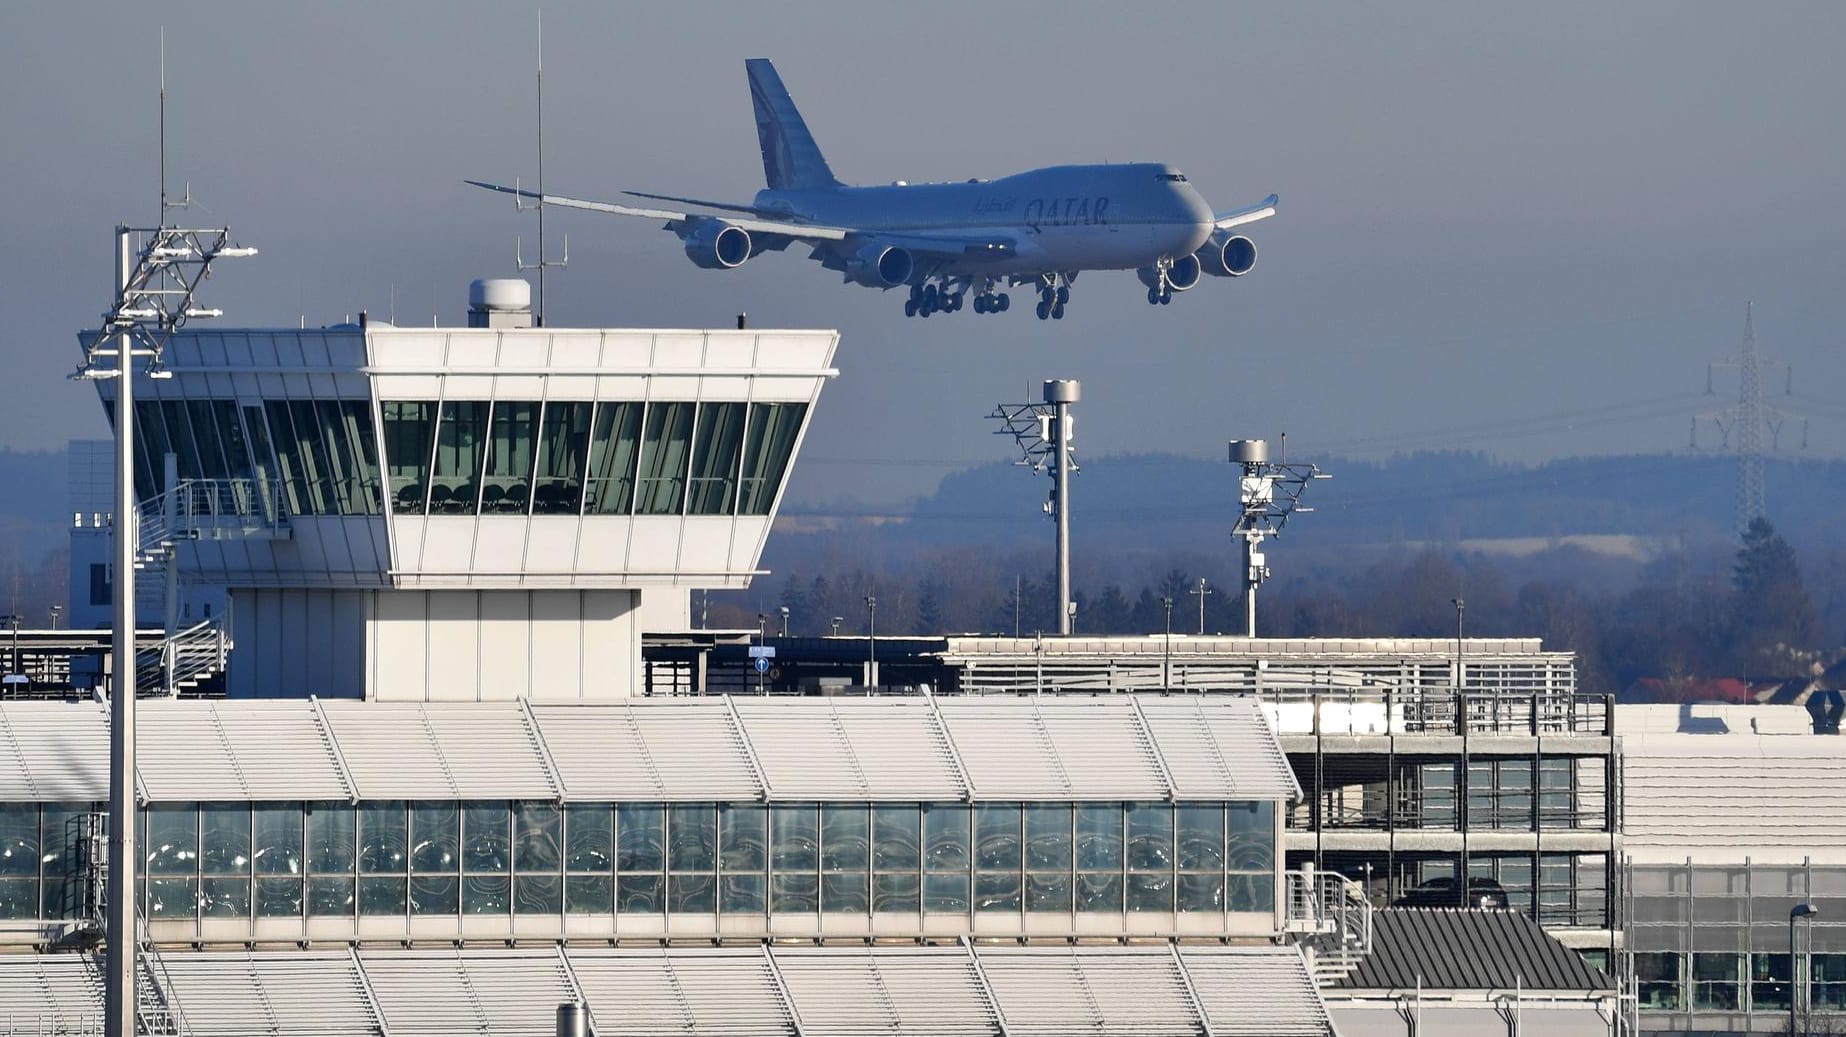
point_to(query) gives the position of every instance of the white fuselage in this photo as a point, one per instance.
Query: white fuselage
(1059, 218)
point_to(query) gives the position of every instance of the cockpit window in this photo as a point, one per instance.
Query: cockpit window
(1178, 178)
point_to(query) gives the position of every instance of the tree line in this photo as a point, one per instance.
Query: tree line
(1693, 612)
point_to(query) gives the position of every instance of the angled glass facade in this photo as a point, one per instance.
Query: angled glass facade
(475, 457)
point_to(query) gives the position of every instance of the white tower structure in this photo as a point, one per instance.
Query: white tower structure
(1044, 432)
(1269, 493)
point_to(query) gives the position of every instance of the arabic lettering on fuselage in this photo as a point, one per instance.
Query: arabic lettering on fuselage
(1051, 212)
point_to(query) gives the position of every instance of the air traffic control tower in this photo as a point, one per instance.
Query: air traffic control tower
(465, 514)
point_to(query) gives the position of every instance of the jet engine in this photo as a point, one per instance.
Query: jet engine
(716, 245)
(1181, 276)
(1227, 255)
(880, 266)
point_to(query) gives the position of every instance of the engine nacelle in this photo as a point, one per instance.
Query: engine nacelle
(880, 266)
(1227, 255)
(1181, 276)
(716, 245)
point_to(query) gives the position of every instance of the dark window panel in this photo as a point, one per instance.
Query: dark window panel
(769, 443)
(615, 451)
(665, 454)
(717, 447)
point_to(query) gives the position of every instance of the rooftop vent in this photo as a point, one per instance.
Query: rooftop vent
(500, 303)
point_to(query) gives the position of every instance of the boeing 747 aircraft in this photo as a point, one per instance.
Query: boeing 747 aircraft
(944, 241)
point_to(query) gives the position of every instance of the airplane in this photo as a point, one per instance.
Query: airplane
(946, 240)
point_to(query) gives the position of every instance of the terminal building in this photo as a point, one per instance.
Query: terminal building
(1736, 868)
(1421, 760)
(427, 793)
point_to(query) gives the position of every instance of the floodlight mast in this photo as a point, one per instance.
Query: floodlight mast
(1044, 432)
(1269, 493)
(154, 289)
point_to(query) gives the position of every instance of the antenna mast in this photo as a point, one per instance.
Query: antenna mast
(519, 262)
(1044, 432)
(1268, 492)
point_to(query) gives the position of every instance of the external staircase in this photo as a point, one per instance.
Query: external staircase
(1329, 916)
(197, 510)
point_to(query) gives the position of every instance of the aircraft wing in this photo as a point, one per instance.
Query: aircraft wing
(773, 214)
(1249, 214)
(797, 231)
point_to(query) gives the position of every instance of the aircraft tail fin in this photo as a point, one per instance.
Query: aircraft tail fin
(791, 159)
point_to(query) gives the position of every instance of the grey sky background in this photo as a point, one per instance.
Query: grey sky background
(1523, 229)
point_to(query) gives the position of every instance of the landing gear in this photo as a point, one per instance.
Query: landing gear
(1052, 295)
(944, 297)
(1159, 296)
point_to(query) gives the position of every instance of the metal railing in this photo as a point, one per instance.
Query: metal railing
(1436, 710)
(210, 509)
(158, 1012)
(1331, 917)
(188, 657)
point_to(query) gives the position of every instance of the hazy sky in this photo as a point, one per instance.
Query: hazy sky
(1518, 228)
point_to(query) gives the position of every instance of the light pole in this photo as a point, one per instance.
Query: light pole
(1807, 911)
(871, 643)
(837, 620)
(1201, 591)
(785, 621)
(14, 620)
(1459, 606)
(1166, 657)
(56, 612)
(762, 637)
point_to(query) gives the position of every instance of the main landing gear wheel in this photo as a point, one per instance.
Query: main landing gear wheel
(1044, 309)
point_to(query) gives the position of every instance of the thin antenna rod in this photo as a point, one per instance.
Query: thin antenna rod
(539, 11)
(163, 128)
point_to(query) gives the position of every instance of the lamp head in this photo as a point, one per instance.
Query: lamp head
(1800, 910)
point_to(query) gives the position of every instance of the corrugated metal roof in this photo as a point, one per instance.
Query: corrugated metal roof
(1445, 948)
(262, 749)
(1255, 991)
(880, 748)
(1219, 747)
(51, 994)
(315, 994)
(54, 751)
(885, 989)
(647, 750)
(451, 750)
(1056, 991)
(1721, 796)
(720, 992)
(889, 749)
(674, 993)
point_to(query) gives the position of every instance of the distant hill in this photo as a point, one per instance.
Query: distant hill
(1188, 504)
